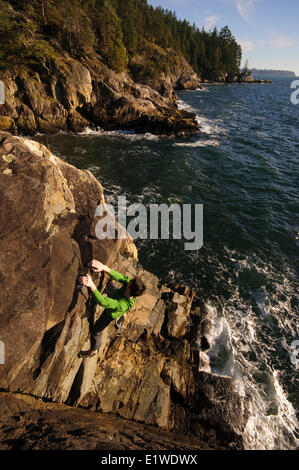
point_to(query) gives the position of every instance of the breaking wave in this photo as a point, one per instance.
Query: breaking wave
(130, 135)
(239, 350)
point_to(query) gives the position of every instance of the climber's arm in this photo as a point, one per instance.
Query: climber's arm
(97, 266)
(106, 302)
(119, 277)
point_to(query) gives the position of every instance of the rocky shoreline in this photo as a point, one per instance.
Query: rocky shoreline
(215, 78)
(70, 95)
(149, 372)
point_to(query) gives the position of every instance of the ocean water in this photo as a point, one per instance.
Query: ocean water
(243, 168)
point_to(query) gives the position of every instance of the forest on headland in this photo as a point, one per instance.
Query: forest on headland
(117, 31)
(277, 73)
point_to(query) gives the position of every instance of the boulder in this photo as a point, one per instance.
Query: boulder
(46, 205)
(147, 371)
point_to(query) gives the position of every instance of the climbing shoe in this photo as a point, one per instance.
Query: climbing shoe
(86, 354)
(119, 322)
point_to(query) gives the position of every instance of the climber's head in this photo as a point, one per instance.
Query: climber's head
(135, 287)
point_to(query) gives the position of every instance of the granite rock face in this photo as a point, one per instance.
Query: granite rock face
(47, 236)
(147, 371)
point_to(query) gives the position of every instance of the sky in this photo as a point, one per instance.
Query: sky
(268, 30)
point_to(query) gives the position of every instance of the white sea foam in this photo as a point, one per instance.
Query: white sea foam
(89, 131)
(207, 126)
(199, 143)
(187, 107)
(236, 351)
(131, 135)
(211, 126)
(269, 431)
(272, 423)
(204, 89)
(221, 355)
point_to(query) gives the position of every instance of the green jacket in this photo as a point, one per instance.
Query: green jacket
(120, 305)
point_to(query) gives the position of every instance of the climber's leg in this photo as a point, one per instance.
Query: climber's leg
(99, 326)
(96, 334)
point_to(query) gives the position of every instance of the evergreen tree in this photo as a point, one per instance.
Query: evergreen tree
(115, 30)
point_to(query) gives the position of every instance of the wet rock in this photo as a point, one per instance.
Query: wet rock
(219, 413)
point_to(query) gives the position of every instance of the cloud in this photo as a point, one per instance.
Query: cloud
(246, 8)
(211, 21)
(281, 42)
(247, 46)
(273, 40)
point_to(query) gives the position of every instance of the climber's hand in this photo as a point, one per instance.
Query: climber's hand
(87, 281)
(97, 266)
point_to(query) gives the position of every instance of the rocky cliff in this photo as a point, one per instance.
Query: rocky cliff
(164, 70)
(66, 94)
(148, 372)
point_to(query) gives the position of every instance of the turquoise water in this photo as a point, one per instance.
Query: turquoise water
(243, 168)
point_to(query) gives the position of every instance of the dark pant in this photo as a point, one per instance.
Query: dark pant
(97, 330)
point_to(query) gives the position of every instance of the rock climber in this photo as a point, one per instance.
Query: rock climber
(115, 308)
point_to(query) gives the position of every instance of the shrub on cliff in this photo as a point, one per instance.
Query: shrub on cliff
(20, 42)
(68, 22)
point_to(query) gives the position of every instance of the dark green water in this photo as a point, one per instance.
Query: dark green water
(243, 168)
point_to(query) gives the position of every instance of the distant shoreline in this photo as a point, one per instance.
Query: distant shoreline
(277, 73)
